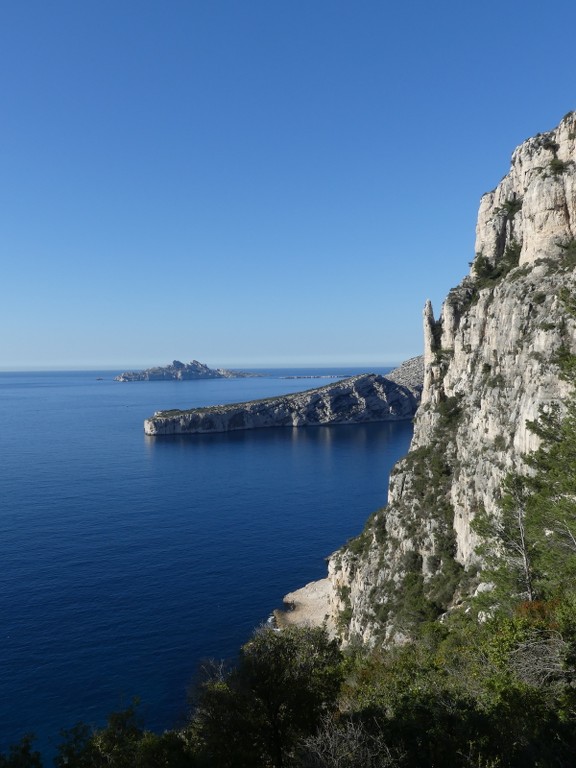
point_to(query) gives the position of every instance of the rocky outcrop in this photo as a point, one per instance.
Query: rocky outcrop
(358, 399)
(307, 607)
(493, 360)
(182, 372)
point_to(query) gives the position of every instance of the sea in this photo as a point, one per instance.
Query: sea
(128, 561)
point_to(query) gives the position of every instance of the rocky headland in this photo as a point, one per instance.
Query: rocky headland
(182, 372)
(358, 399)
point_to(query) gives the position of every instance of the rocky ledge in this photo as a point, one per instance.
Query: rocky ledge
(364, 398)
(183, 372)
(307, 607)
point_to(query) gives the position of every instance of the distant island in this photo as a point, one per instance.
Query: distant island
(178, 371)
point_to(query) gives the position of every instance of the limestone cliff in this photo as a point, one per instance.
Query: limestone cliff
(363, 398)
(491, 363)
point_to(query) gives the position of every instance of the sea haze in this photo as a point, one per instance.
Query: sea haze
(126, 560)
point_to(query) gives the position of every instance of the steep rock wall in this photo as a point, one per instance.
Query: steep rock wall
(491, 363)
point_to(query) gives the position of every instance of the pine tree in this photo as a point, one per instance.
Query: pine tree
(551, 507)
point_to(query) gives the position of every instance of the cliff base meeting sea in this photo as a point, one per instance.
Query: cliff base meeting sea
(127, 560)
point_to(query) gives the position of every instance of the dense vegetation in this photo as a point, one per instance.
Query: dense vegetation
(492, 685)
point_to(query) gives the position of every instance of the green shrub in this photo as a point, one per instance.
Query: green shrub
(568, 256)
(488, 273)
(551, 145)
(511, 207)
(558, 167)
(500, 443)
(450, 409)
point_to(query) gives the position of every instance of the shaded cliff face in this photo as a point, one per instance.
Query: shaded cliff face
(491, 363)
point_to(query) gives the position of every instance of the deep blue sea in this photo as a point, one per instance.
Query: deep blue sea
(126, 560)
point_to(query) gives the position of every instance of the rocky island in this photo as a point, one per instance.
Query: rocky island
(362, 398)
(182, 372)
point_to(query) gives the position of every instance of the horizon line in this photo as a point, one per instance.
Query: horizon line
(109, 367)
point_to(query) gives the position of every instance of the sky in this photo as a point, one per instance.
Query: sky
(254, 183)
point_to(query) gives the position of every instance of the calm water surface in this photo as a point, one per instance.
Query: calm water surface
(127, 559)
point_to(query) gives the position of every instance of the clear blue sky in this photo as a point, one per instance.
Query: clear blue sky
(254, 182)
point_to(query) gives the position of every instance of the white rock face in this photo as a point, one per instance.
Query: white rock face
(491, 364)
(363, 398)
(542, 181)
